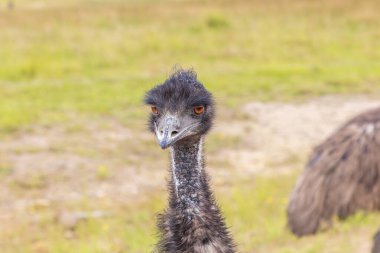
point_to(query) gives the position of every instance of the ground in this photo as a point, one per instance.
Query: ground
(79, 171)
(95, 173)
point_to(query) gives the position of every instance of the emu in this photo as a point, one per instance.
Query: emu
(341, 177)
(182, 114)
(376, 243)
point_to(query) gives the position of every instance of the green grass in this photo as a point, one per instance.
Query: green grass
(74, 61)
(85, 59)
(255, 213)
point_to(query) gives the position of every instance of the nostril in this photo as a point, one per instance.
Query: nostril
(174, 133)
(161, 132)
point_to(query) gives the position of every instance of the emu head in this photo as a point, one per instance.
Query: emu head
(182, 109)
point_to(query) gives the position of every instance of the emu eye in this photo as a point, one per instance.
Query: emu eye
(198, 110)
(154, 110)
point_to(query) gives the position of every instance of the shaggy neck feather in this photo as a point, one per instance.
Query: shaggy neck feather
(187, 175)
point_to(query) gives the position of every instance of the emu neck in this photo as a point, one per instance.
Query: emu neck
(187, 175)
(193, 222)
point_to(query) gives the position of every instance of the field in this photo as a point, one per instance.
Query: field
(79, 171)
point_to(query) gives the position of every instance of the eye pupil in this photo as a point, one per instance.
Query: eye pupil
(154, 109)
(199, 110)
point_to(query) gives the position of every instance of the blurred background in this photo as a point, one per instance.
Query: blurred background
(79, 171)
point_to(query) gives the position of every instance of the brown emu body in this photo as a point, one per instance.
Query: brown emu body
(376, 243)
(341, 177)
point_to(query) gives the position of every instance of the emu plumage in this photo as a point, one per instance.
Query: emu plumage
(341, 177)
(182, 114)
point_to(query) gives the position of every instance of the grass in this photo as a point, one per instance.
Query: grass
(247, 209)
(65, 63)
(82, 59)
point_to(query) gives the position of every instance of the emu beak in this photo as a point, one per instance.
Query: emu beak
(167, 131)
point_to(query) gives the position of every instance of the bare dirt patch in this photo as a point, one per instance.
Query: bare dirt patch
(278, 137)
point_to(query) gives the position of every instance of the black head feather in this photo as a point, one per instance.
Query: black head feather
(181, 88)
(178, 95)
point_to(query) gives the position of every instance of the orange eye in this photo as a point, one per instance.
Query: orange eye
(198, 110)
(154, 110)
